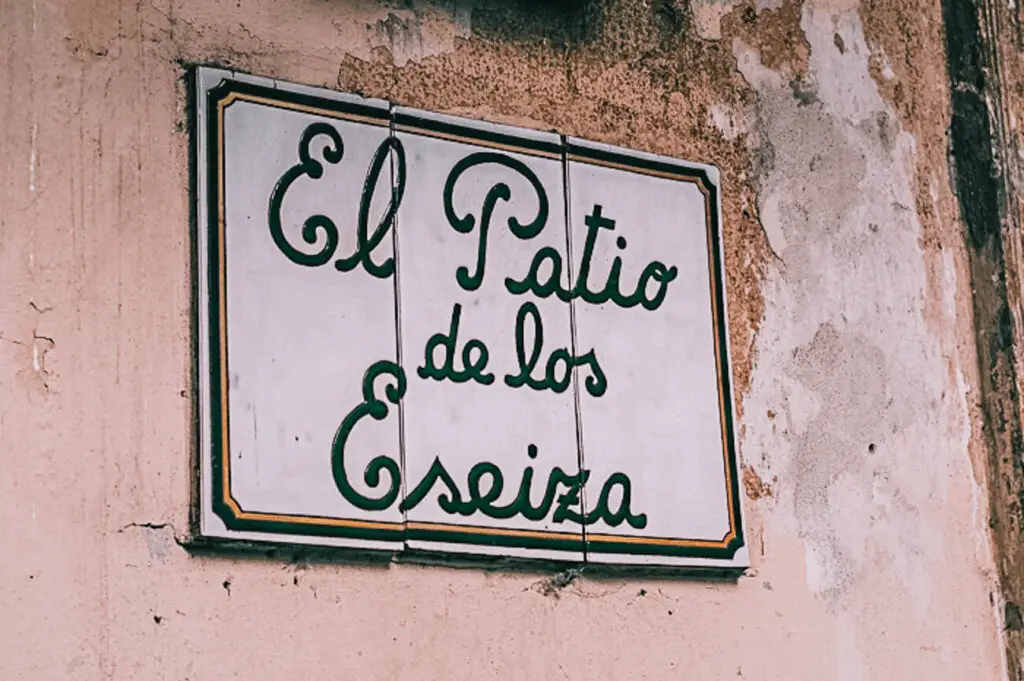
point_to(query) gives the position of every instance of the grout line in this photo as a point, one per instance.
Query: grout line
(398, 322)
(573, 331)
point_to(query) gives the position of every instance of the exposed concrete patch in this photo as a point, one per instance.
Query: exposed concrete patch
(708, 14)
(905, 69)
(775, 34)
(158, 542)
(414, 34)
(839, 54)
(729, 122)
(843, 318)
(159, 537)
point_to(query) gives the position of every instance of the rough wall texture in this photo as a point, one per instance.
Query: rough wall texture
(850, 308)
(985, 44)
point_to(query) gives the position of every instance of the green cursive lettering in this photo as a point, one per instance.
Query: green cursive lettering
(558, 370)
(474, 356)
(378, 410)
(465, 224)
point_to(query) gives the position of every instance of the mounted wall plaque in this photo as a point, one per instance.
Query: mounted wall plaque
(428, 333)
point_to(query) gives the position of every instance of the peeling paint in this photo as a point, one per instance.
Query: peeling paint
(414, 35)
(843, 321)
(707, 16)
(728, 122)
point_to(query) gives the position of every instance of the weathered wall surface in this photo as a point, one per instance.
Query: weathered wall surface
(851, 325)
(986, 54)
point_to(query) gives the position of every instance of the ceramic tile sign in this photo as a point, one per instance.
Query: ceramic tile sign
(428, 334)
